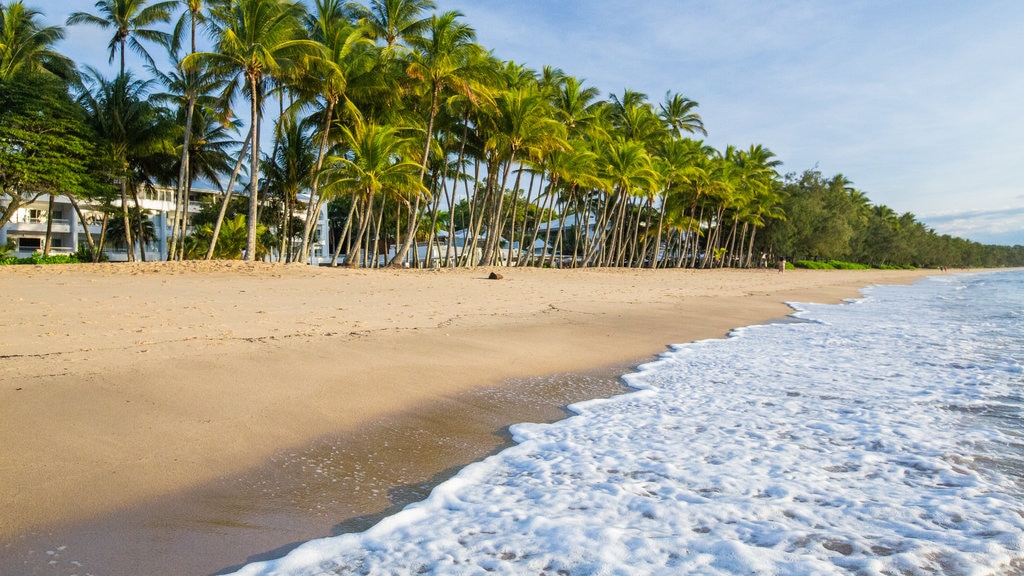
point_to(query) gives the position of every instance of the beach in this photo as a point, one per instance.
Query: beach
(126, 388)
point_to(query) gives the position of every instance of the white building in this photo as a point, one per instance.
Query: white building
(27, 229)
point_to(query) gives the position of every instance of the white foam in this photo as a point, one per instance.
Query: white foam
(879, 437)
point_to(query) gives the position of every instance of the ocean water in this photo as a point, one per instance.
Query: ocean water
(882, 436)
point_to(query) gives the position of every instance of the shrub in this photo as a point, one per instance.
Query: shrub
(85, 254)
(839, 265)
(812, 265)
(38, 258)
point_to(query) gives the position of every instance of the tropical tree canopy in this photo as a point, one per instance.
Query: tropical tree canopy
(421, 146)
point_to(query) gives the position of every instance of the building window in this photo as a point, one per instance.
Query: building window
(29, 244)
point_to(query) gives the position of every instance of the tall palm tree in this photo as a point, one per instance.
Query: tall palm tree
(393, 21)
(379, 163)
(345, 62)
(288, 173)
(27, 46)
(678, 113)
(137, 133)
(627, 168)
(522, 128)
(255, 40)
(443, 59)
(189, 88)
(131, 21)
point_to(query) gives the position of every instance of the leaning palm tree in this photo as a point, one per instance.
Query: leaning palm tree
(191, 90)
(345, 62)
(379, 163)
(131, 21)
(442, 60)
(27, 46)
(136, 132)
(255, 40)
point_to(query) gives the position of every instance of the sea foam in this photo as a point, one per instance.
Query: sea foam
(882, 436)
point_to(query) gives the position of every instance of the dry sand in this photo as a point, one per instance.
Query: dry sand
(125, 384)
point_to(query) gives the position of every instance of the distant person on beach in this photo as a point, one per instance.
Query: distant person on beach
(782, 265)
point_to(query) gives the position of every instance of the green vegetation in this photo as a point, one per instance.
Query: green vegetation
(394, 117)
(40, 259)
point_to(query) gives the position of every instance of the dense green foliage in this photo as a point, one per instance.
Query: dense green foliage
(410, 131)
(40, 259)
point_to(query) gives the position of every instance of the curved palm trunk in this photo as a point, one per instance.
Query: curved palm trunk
(512, 229)
(81, 218)
(138, 211)
(344, 233)
(181, 196)
(355, 253)
(124, 216)
(314, 191)
(410, 230)
(494, 230)
(227, 197)
(750, 246)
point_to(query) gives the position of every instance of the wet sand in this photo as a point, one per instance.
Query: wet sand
(147, 426)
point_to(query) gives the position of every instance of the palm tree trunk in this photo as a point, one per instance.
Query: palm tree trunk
(344, 233)
(81, 218)
(227, 197)
(103, 236)
(181, 197)
(138, 211)
(314, 192)
(127, 221)
(49, 226)
(254, 172)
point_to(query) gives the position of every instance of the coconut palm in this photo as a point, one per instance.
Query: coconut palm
(343, 67)
(255, 40)
(378, 162)
(393, 21)
(627, 168)
(678, 114)
(188, 88)
(137, 133)
(522, 128)
(27, 46)
(131, 21)
(444, 59)
(288, 173)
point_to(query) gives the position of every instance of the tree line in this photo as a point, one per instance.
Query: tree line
(413, 134)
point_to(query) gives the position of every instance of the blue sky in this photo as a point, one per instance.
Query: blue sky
(919, 103)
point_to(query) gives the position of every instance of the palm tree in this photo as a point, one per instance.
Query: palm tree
(27, 46)
(130, 20)
(378, 163)
(626, 166)
(393, 21)
(345, 62)
(188, 88)
(137, 133)
(678, 113)
(287, 174)
(522, 128)
(255, 40)
(443, 60)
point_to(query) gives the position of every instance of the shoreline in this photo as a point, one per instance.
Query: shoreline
(99, 432)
